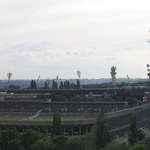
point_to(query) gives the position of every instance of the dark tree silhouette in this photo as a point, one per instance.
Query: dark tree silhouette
(102, 136)
(133, 132)
(78, 84)
(33, 84)
(46, 86)
(56, 129)
(61, 86)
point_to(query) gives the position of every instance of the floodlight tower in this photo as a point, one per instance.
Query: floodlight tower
(148, 65)
(9, 75)
(128, 78)
(78, 80)
(57, 77)
(79, 73)
(113, 74)
(38, 79)
(148, 70)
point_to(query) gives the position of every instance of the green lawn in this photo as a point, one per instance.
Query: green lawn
(45, 119)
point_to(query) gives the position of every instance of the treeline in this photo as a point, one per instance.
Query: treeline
(98, 139)
(33, 140)
(56, 85)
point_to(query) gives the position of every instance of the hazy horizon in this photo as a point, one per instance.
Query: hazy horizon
(6, 79)
(58, 37)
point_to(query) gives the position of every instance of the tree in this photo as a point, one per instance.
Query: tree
(59, 142)
(78, 84)
(9, 140)
(73, 86)
(67, 84)
(56, 128)
(61, 86)
(54, 84)
(138, 146)
(28, 138)
(133, 132)
(141, 135)
(46, 86)
(75, 143)
(101, 134)
(117, 146)
(33, 84)
(12, 86)
(42, 144)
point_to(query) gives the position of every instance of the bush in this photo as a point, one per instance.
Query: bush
(117, 146)
(75, 143)
(139, 146)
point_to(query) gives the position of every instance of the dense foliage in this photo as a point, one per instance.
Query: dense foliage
(33, 140)
(56, 128)
(98, 139)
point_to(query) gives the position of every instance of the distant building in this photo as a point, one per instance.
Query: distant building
(146, 98)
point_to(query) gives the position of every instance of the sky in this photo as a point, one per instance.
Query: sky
(59, 37)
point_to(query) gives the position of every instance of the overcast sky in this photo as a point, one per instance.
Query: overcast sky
(58, 37)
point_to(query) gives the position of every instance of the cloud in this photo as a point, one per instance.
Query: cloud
(61, 36)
